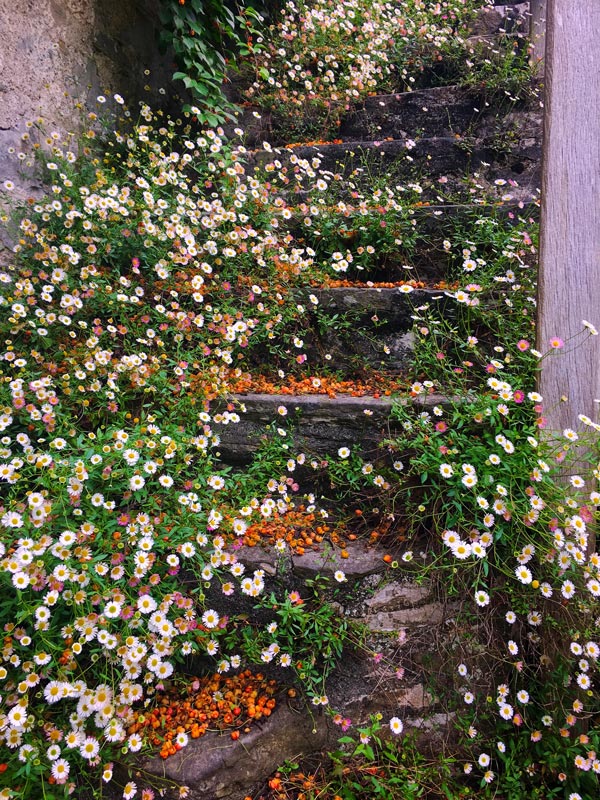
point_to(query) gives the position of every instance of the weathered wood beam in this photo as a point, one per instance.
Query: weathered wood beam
(569, 276)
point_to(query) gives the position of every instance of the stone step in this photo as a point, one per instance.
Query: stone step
(387, 606)
(379, 333)
(422, 256)
(442, 111)
(405, 157)
(440, 165)
(394, 304)
(436, 111)
(322, 424)
(521, 189)
(216, 768)
(431, 216)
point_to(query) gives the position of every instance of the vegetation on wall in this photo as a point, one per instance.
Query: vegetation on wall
(208, 38)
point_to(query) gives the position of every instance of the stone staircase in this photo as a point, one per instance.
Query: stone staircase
(457, 146)
(466, 157)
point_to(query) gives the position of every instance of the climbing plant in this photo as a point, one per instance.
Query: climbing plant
(207, 37)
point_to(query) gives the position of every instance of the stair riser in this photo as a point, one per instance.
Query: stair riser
(380, 335)
(444, 111)
(322, 424)
(440, 111)
(366, 162)
(322, 431)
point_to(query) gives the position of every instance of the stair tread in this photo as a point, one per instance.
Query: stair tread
(345, 145)
(341, 400)
(451, 93)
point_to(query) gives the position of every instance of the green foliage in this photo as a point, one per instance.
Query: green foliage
(207, 38)
(374, 763)
(306, 633)
(158, 267)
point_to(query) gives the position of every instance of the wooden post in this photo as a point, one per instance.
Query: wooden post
(569, 275)
(537, 33)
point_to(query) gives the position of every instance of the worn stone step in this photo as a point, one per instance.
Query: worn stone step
(395, 304)
(344, 158)
(441, 167)
(423, 257)
(380, 325)
(521, 188)
(217, 767)
(441, 111)
(436, 111)
(322, 424)
(403, 158)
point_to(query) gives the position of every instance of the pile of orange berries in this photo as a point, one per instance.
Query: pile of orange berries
(212, 703)
(337, 283)
(298, 528)
(377, 385)
(313, 143)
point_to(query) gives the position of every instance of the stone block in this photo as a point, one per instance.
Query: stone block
(216, 768)
(323, 424)
(389, 621)
(397, 596)
(361, 562)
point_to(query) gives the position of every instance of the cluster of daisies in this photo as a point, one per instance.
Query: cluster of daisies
(135, 291)
(500, 472)
(327, 55)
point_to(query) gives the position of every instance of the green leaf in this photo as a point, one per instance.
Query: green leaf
(197, 87)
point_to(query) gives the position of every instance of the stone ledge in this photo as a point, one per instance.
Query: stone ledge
(394, 302)
(215, 767)
(362, 561)
(323, 424)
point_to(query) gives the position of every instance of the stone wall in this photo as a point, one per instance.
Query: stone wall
(58, 52)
